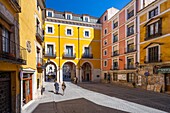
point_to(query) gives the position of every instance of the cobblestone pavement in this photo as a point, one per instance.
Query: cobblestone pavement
(79, 100)
(148, 98)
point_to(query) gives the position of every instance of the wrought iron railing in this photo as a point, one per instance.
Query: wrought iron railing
(50, 55)
(153, 58)
(115, 53)
(130, 66)
(87, 56)
(130, 49)
(11, 51)
(114, 68)
(66, 55)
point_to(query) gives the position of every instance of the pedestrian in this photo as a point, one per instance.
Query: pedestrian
(56, 87)
(75, 80)
(63, 87)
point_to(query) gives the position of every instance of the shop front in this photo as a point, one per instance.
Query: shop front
(27, 87)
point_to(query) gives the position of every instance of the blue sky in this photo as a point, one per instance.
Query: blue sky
(92, 7)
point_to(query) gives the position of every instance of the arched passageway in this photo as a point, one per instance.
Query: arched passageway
(86, 72)
(50, 72)
(69, 71)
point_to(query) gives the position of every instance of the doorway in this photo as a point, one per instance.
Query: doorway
(167, 82)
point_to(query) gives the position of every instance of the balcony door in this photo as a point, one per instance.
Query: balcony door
(69, 51)
(87, 51)
(153, 54)
(50, 50)
(130, 63)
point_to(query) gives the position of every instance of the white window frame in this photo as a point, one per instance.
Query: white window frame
(151, 47)
(51, 12)
(84, 33)
(69, 45)
(104, 63)
(53, 29)
(70, 16)
(104, 52)
(84, 17)
(67, 29)
(104, 42)
(50, 43)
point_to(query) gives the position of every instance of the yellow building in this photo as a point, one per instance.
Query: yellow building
(31, 37)
(154, 44)
(71, 46)
(12, 56)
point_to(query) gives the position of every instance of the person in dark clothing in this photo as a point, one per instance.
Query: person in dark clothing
(56, 87)
(63, 87)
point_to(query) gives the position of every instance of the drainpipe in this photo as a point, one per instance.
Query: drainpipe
(59, 48)
(79, 54)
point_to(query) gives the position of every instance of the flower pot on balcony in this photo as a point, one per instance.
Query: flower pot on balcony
(39, 64)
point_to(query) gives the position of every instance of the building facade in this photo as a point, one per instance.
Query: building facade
(154, 60)
(12, 56)
(119, 49)
(71, 47)
(31, 37)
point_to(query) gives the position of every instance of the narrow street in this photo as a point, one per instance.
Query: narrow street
(102, 99)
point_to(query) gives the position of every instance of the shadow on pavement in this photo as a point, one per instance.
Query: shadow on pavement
(74, 106)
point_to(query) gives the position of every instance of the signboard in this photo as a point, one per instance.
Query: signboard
(164, 70)
(122, 77)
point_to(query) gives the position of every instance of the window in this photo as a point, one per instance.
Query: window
(115, 51)
(69, 32)
(130, 63)
(105, 52)
(130, 14)
(86, 33)
(130, 30)
(105, 31)
(105, 17)
(115, 64)
(50, 50)
(105, 63)
(154, 29)
(87, 51)
(153, 13)
(115, 38)
(130, 77)
(68, 16)
(5, 40)
(115, 24)
(130, 46)
(86, 19)
(49, 13)
(153, 54)
(105, 42)
(69, 51)
(50, 29)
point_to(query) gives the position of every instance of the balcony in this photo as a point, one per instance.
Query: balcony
(153, 59)
(114, 68)
(129, 66)
(130, 49)
(40, 62)
(39, 34)
(15, 5)
(12, 52)
(115, 53)
(69, 56)
(52, 55)
(87, 56)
